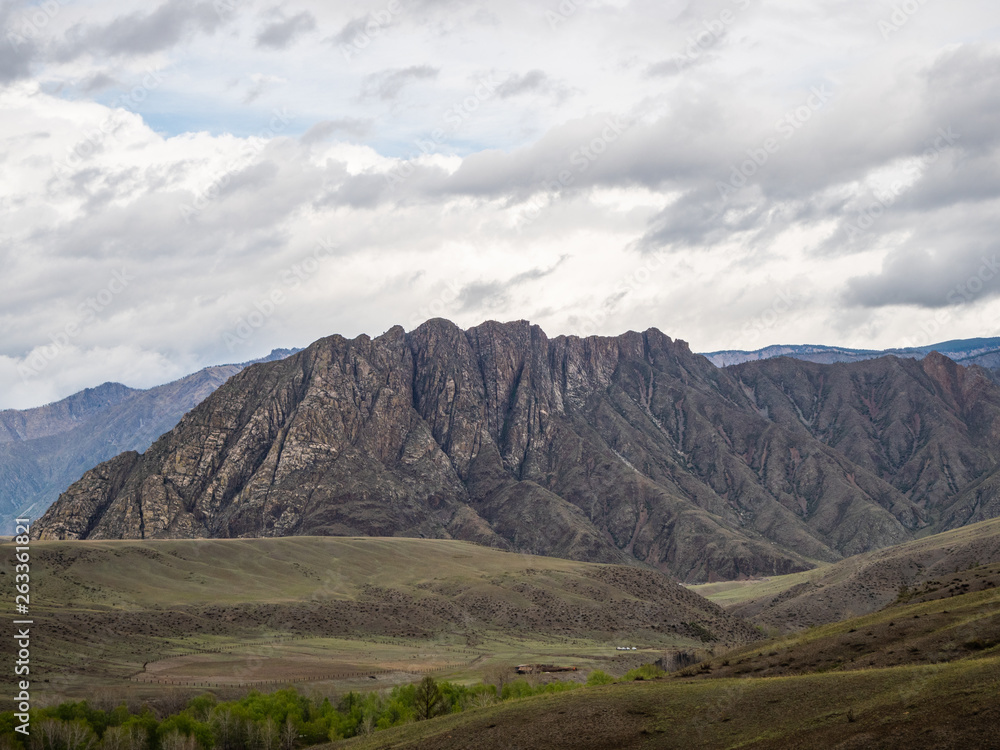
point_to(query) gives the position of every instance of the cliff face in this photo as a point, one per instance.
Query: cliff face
(602, 449)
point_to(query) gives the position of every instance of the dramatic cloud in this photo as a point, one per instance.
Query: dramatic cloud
(931, 279)
(199, 181)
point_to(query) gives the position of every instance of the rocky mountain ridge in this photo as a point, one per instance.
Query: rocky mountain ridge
(625, 449)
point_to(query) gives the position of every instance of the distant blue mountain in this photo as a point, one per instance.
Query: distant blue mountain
(984, 352)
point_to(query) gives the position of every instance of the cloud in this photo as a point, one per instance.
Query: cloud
(279, 34)
(929, 278)
(872, 208)
(18, 47)
(676, 65)
(533, 80)
(259, 83)
(142, 33)
(97, 82)
(486, 296)
(354, 127)
(351, 30)
(388, 84)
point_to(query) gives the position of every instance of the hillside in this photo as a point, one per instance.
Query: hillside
(962, 561)
(602, 449)
(929, 428)
(45, 449)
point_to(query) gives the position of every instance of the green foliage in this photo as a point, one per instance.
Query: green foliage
(262, 720)
(524, 689)
(189, 727)
(429, 700)
(645, 672)
(599, 677)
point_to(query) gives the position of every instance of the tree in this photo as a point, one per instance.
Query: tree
(123, 738)
(46, 734)
(269, 735)
(498, 675)
(428, 700)
(225, 726)
(367, 725)
(289, 735)
(53, 734)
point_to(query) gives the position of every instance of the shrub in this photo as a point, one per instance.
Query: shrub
(598, 677)
(645, 672)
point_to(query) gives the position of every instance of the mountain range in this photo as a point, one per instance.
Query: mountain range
(45, 449)
(612, 449)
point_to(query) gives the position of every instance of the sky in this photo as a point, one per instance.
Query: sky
(195, 182)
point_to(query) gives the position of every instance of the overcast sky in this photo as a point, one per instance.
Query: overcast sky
(198, 181)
